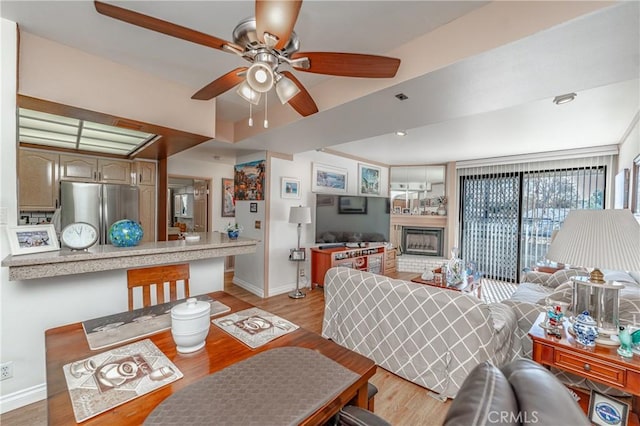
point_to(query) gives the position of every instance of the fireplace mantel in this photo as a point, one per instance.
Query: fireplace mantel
(431, 221)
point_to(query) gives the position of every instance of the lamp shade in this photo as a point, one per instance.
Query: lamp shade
(248, 94)
(300, 215)
(598, 239)
(286, 89)
(260, 77)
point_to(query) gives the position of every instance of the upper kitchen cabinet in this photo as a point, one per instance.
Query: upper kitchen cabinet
(83, 168)
(145, 172)
(38, 180)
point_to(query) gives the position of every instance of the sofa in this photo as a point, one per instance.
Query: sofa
(519, 393)
(431, 336)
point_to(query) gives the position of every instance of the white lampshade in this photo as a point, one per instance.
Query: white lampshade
(248, 94)
(300, 215)
(260, 77)
(286, 89)
(598, 239)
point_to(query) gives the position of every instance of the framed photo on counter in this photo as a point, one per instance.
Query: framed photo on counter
(32, 239)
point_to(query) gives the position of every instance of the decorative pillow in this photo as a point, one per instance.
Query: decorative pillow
(620, 276)
(561, 276)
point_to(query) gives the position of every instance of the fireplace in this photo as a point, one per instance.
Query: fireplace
(423, 241)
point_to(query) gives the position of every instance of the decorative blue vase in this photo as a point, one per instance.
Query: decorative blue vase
(585, 329)
(125, 233)
(233, 235)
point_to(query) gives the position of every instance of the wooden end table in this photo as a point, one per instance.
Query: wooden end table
(472, 286)
(601, 364)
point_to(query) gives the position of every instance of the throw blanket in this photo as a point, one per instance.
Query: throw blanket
(431, 336)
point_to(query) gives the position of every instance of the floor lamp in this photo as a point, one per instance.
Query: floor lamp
(298, 215)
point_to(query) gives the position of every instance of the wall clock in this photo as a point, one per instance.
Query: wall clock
(79, 235)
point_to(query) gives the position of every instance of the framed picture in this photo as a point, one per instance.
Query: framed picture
(253, 207)
(607, 411)
(290, 188)
(352, 205)
(325, 200)
(228, 202)
(406, 211)
(32, 239)
(297, 254)
(622, 190)
(328, 179)
(368, 180)
(249, 180)
(397, 210)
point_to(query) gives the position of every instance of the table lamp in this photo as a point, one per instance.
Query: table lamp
(597, 239)
(298, 215)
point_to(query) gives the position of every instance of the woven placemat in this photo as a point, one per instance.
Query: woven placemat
(281, 386)
(254, 327)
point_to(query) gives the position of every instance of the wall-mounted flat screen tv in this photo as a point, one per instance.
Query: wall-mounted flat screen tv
(351, 219)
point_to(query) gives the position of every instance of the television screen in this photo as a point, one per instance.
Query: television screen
(351, 219)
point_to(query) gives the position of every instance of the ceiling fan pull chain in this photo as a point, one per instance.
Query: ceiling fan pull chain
(250, 115)
(266, 102)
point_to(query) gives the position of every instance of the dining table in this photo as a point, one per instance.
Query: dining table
(68, 343)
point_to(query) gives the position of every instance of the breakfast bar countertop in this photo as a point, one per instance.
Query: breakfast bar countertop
(108, 257)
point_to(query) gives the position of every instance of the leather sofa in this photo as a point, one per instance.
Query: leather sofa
(519, 393)
(431, 336)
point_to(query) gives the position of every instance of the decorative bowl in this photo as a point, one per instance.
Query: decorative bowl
(233, 235)
(125, 233)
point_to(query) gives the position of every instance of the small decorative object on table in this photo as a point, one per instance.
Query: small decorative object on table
(455, 268)
(585, 329)
(125, 233)
(233, 230)
(442, 203)
(625, 342)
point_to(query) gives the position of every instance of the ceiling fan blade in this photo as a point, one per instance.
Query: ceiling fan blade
(349, 64)
(277, 17)
(302, 102)
(220, 85)
(161, 26)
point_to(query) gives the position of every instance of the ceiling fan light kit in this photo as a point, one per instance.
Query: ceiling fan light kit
(266, 41)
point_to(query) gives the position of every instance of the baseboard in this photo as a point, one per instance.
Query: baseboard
(23, 397)
(250, 288)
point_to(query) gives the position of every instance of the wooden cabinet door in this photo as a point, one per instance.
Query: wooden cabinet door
(114, 171)
(38, 180)
(146, 173)
(147, 212)
(74, 167)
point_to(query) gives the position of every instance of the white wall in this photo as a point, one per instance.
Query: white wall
(283, 235)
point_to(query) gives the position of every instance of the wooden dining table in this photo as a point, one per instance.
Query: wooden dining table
(68, 343)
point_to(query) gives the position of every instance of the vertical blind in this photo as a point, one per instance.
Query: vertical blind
(508, 212)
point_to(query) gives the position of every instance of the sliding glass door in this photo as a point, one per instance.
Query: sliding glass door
(508, 217)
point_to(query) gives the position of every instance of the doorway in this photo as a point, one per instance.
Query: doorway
(188, 206)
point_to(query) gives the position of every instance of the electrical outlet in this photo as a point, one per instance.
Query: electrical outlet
(301, 272)
(6, 370)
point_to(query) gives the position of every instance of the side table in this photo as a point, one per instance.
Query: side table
(601, 364)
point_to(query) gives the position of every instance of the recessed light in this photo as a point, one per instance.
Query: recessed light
(563, 99)
(401, 133)
(402, 96)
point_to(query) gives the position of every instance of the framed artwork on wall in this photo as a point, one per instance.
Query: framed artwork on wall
(249, 180)
(290, 188)
(32, 239)
(326, 178)
(228, 201)
(368, 180)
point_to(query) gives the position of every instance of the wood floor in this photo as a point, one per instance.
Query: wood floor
(399, 401)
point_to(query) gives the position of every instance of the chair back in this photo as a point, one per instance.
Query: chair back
(157, 276)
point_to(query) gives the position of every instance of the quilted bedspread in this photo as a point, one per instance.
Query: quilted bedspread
(431, 336)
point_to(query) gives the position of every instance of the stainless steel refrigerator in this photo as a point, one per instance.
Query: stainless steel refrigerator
(100, 204)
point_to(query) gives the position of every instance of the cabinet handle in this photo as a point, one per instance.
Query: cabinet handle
(586, 367)
(99, 175)
(140, 177)
(95, 175)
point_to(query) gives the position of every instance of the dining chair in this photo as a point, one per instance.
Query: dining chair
(157, 276)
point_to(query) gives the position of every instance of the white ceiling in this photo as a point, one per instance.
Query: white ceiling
(493, 104)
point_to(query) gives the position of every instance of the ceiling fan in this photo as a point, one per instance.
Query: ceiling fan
(267, 42)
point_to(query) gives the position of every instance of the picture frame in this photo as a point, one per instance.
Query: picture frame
(352, 205)
(32, 239)
(248, 180)
(290, 188)
(228, 200)
(298, 254)
(325, 200)
(253, 207)
(621, 200)
(326, 178)
(406, 211)
(607, 411)
(368, 179)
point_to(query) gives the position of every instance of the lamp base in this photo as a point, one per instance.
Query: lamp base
(297, 294)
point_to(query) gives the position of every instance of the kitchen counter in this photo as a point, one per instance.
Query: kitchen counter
(108, 257)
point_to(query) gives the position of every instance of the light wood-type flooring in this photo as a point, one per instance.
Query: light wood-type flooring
(399, 401)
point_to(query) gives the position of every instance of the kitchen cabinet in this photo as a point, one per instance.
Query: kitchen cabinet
(38, 180)
(147, 211)
(83, 168)
(145, 172)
